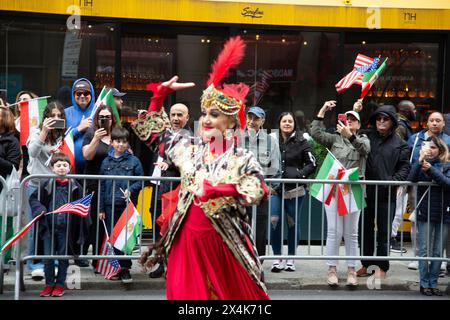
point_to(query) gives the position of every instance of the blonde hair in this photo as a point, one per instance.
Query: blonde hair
(443, 149)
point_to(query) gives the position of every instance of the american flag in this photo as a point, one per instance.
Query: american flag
(108, 268)
(362, 64)
(260, 87)
(80, 207)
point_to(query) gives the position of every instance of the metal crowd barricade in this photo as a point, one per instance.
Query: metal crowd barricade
(82, 180)
(156, 204)
(268, 255)
(3, 227)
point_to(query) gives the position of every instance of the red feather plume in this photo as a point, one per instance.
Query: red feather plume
(231, 55)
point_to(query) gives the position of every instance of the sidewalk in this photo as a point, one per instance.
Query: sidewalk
(309, 274)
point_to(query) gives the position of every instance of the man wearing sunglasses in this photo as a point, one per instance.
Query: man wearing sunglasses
(388, 161)
(78, 117)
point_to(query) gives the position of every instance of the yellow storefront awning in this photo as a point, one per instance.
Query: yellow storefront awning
(373, 14)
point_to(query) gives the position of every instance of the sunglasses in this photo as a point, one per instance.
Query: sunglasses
(105, 117)
(82, 93)
(384, 119)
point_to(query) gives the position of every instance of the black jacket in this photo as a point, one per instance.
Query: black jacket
(389, 155)
(78, 226)
(9, 154)
(297, 160)
(440, 196)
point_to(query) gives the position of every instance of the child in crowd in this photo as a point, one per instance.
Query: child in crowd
(433, 209)
(114, 193)
(53, 228)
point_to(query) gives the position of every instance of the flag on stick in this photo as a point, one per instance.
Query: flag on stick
(79, 207)
(344, 199)
(106, 98)
(125, 232)
(31, 113)
(20, 234)
(109, 268)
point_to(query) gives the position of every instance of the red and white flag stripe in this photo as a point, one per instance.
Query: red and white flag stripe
(20, 234)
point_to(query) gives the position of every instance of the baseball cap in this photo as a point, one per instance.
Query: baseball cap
(83, 85)
(355, 114)
(257, 111)
(117, 93)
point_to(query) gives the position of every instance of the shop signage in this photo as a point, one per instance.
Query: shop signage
(252, 13)
(71, 55)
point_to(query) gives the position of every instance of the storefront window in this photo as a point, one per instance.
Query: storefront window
(289, 72)
(46, 58)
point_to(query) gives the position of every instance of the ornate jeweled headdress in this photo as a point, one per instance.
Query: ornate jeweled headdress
(228, 98)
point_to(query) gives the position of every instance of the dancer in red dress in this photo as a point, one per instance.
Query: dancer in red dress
(208, 244)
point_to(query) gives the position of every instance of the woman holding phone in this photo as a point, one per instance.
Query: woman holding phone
(96, 144)
(41, 144)
(351, 148)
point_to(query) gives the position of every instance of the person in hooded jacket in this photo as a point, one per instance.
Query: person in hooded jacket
(388, 161)
(79, 117)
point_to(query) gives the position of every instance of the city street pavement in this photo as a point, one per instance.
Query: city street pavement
(309, 277)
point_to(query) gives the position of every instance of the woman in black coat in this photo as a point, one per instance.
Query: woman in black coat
(9, 159)
(297, 162)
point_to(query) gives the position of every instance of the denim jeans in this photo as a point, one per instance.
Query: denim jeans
(290, 215)
(32, 236)
(59, 248)
(429, 271)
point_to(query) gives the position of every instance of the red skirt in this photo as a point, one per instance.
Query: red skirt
(200, 266)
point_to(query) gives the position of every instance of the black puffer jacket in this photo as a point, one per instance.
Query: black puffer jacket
(389, 155)
(9, 154)
(297, 160)
(440, 196)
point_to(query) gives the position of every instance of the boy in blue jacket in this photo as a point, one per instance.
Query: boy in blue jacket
(120, 162)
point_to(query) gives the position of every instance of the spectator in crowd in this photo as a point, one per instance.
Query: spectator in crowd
(21, 97)
(53, 229)
(118, 98)
(42, 144)
(435, 126)
(9, 159)
(179, 129)
(119, 162)
(406, 112)
(351, 148)
(96, 145)
(79, 117)
(267, 152)
(388, 161)
(447, 124)
(297, 162)
(434, 209)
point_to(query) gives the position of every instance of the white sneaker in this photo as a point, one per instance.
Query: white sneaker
(278, 266)
(443, 266)
(413, 265)
(290, 266)
(37, 274)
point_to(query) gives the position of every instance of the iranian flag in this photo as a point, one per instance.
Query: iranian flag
(125, 232)
(31, 113)
(342, 198)
(369, 78)
(106, 98)
(68, 148)
(19, 234)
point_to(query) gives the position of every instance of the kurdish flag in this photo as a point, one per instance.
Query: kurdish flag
(106, 98)
(369, 78)
(125, 231)
(344, 199)
(31, 114)
(20, 234)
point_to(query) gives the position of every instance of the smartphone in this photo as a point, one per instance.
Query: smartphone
(3, 96)
(104, 123)
(342, 117)
(58, 124)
